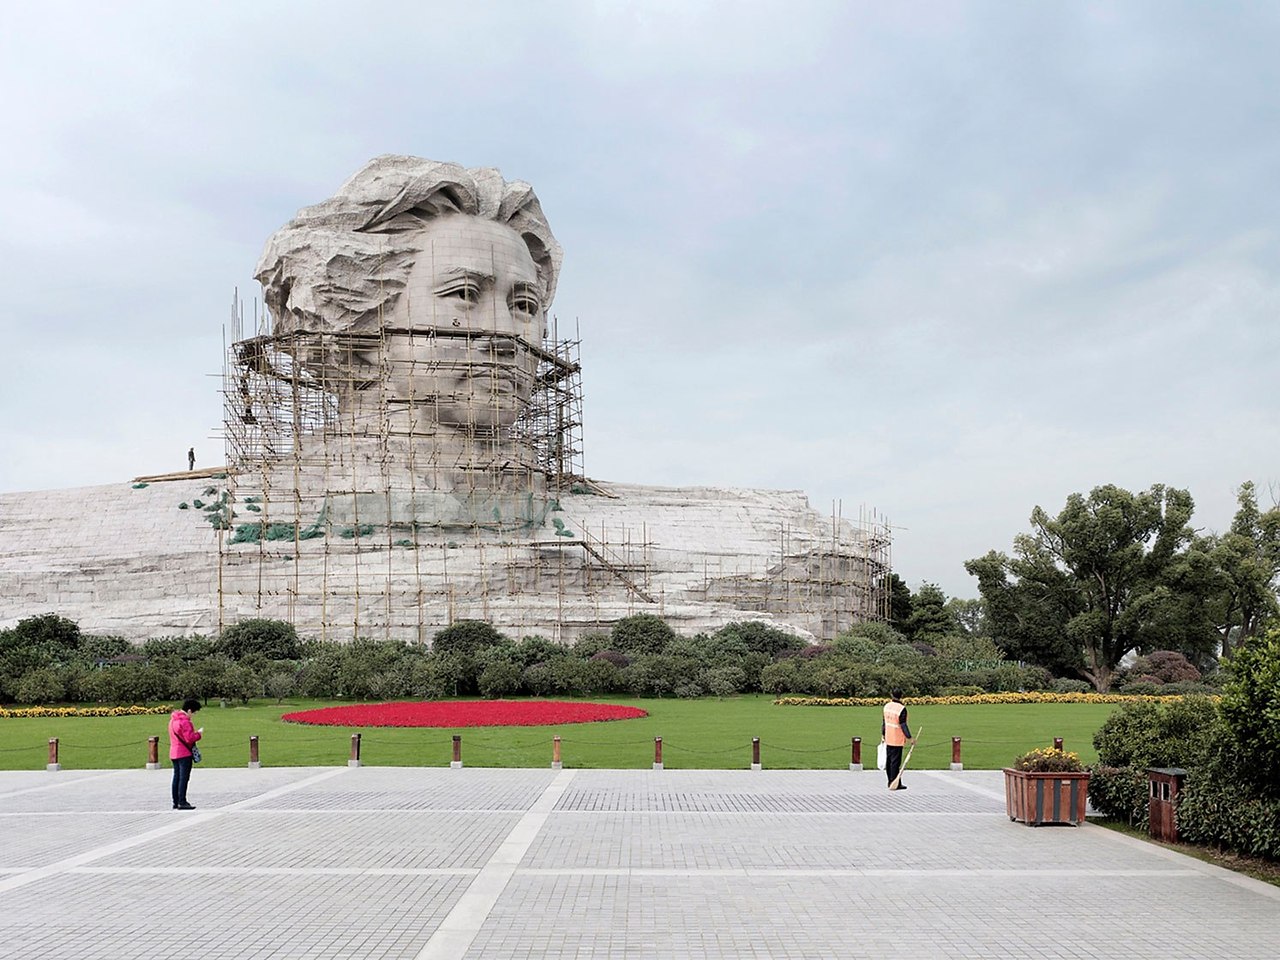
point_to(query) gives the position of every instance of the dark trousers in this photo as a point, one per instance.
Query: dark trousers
(182, 775)
(892, 762)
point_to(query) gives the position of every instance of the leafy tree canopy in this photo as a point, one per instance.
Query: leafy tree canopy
(929, 617)
(1247, 558)
(899, 603)
(1112, 573)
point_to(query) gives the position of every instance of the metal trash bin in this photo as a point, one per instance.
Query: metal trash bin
(1162, 805)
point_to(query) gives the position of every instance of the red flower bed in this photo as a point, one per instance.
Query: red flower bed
(464, 713)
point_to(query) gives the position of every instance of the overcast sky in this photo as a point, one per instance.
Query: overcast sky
(945, 260)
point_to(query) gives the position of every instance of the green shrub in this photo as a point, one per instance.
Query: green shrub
(499, 679)
(642, 633)
(203, 679)
(238, 682)
(879, 633)
(1251, 707)
(967, 648)
(271, 639)
(1188, 688)
(758, 637)
(779, 678)
(900, 655)
(439, 676)
(589, 644)
(858, 648)
(1070, 685)
(1223, 803)
(279, 685)
(531, 650)
(1143, 688)
(41, 686)
(753, 665)
(569, 675)
(140, 683)
(602, 676)
(54, 638)
(318, 677)
(962, 690)
(723, 681)
(1215, 814)
(1120, 793)
(1036, 678)
(185, 649)
(688, 690)
(466, 637)
(1143, 734)
(539, 679)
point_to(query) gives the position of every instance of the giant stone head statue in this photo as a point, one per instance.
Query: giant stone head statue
(427, 283)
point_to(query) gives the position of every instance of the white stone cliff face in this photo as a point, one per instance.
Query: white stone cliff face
(124, 560)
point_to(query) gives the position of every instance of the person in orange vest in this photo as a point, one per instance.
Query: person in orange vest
(895, 733)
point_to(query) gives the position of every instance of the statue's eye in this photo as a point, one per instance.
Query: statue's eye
(467, 292)
(522, 302)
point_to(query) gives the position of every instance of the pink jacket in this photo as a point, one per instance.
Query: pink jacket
(182, 735)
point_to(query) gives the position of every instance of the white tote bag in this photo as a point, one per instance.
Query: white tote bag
(882, 753)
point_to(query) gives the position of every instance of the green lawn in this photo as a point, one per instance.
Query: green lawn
(704, 733)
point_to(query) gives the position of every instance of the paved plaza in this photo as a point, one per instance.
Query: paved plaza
(477, 863)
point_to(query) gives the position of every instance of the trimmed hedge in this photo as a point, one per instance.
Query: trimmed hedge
(1120, 793)
(1215, 813)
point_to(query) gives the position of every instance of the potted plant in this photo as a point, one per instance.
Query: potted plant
(1046, 786)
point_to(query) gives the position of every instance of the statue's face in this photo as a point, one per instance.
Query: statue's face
(471, 308)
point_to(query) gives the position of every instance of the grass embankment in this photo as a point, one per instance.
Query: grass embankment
(702, 734)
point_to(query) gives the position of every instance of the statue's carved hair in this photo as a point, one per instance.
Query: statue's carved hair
(339, 264)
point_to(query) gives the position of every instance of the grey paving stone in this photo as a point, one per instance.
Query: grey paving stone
(432, 863)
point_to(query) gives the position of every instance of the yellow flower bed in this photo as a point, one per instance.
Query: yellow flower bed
(1030, 697)
(132, 711)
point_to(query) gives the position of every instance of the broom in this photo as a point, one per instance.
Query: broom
(906, 759)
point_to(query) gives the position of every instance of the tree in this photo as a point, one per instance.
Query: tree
(899, 603)
(756, 636)
(1026, 616)
(1248, 559)
(929, 617)
(642, 633)
(1251, 707)
(270, 639)
(970, 616)
(1110, 574)
(466, 638)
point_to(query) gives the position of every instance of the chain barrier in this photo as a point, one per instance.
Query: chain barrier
(64, 745)
(608, 743)
(503, 748)
(667, 745)
(779, 747)
(38, 747)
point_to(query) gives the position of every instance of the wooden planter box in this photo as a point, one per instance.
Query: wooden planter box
(1037, 798)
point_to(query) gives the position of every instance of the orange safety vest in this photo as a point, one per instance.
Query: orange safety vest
(893, 735)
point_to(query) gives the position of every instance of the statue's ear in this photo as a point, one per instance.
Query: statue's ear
(543, 261)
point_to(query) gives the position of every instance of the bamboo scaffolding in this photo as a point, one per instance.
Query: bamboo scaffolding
(333, 477)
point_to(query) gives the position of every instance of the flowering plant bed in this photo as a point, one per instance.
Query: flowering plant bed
(133, 711)
(980, 698)
(1046, 786)
(465, 713)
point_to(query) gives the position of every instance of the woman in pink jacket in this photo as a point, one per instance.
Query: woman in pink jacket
(182, 738)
